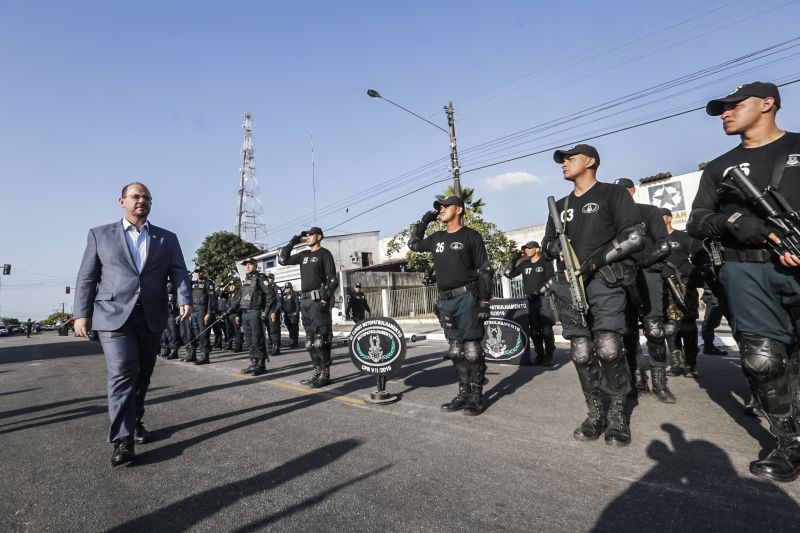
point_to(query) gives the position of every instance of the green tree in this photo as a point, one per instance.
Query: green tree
(499, 247)
(219, 253)
(55, 317)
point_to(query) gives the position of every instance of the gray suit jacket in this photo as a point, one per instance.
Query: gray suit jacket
(108, 283)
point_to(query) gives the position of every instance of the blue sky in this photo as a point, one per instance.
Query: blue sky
(96, 94)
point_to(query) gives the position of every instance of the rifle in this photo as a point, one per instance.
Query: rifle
(676, 286)
(773, 208)
(576, 294)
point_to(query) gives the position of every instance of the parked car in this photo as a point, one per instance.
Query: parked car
(4, 331)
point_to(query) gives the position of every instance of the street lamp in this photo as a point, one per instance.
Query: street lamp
(372, 93)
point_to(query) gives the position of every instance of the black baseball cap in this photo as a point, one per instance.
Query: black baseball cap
(625, 182)
(586, 149)
(287, 285)
(531, 244)
(313, 230)
(450, 200)
(759, 89)
(249, 260)
(199, 269)
(271, 275)
(666, 212)
(358, 285)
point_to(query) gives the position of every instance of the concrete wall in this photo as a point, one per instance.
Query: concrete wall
(374, 281)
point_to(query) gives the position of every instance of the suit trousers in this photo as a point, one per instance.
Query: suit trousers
(130, 353)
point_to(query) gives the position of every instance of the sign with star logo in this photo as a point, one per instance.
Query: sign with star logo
(669, 195)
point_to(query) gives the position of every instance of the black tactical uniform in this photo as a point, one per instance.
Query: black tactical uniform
(273, 319)
(318, 283)
(233, 328)
(540, 315)
(254, 299)
(221, 309)
(357, 305)
(762, 295)
(170, 339)
(464, 279)
(680, 322)
(646, 300)
(291, 313)
(604, 227)
(203, 297)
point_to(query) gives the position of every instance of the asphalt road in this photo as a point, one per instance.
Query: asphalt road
(248, 454)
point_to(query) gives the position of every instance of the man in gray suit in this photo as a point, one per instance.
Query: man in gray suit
(120, 295)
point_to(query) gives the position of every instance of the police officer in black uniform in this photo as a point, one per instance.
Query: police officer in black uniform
(680, 322)
(255, 298)
(221, 307)
(604, 228)
(290, 307)
(762, 289)
(464, 279)
(274, 316)
(535, 272)
(187, 332)
(233, 318)
(318, 283)
(647, 303)
(203, 297)
(170, 339)
(357, 305)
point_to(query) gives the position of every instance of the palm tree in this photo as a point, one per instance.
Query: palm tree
(466, 194)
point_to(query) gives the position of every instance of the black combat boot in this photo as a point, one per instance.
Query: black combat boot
(313, 377)
(259, 369)
(173, 354)
(203, 359)
(324, 378)
(618, 433)
(458, 403)
(276, 349)
(191, 357)
(660, 388)
(783, 463)
(237, 348)
(228, 346)
(249, 370)
(217, 344)
(474, 405)
(678, 366)
(595, 422)
(640, 383)
(164, 352)
(547, 360)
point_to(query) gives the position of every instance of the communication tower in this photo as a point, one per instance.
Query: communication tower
(250, 224)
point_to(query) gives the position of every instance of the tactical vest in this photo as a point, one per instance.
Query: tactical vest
(222, 303)
(289, 306)
(251, 293)
(200, 292)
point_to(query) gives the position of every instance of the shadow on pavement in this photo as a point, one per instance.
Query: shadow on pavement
(9, 393)
(693, 487)
(186, 513)
(56, 350)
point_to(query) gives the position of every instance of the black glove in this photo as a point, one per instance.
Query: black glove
(553, 248)
(295, 240)
(483, 310)
(750, 230)
(429, 216)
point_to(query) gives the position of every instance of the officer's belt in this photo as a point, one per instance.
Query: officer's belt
(748, 255)
(452, 293)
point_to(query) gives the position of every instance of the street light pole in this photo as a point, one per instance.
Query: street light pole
(452, 133)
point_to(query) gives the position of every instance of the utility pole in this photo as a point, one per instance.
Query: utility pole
(451, 122)
(250, 221)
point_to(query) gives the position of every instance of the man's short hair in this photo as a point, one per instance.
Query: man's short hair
(125, 188)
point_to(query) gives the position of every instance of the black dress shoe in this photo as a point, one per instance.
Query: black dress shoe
(123, 452)
(713, 350)
(141, 435)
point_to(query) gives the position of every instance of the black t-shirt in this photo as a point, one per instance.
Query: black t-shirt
(595, 218)
(457, 256)
(758, 164)
(316, 269)
(534, 274)
(683, 248)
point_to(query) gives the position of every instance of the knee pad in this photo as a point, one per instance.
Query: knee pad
(456, 350)
(670, 328)
(320, 342)
(581, 349)
(309, 344)
(763, 359)
(473, 351)
(653, 329)
(608, 345)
